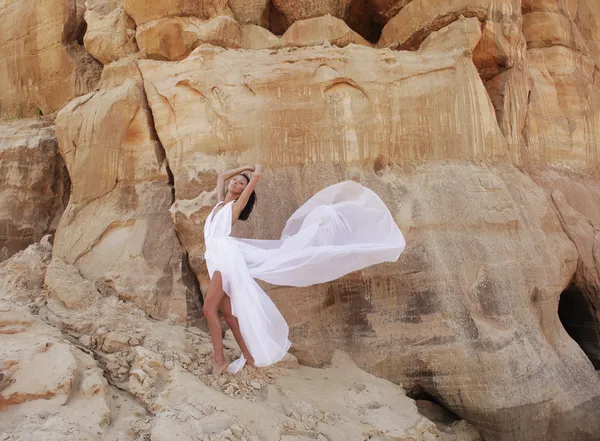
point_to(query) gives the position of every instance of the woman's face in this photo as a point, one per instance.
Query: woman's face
(237, 184)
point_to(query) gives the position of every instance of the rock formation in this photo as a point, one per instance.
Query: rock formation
(34, 184)
(478, 124)
(42, 61)
(163, 366)
(110, 33)
(116, 229)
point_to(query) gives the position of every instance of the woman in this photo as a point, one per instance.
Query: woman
(343, 228)
(240, 194)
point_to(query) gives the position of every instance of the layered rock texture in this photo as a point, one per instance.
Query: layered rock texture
(116, 229)
(34, 184)
(477, 122)
(42, 62)
(53, 389)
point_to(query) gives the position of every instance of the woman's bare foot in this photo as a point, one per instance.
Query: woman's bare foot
(219, 368)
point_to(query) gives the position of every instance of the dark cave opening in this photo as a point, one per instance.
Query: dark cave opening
(359, 16)
(433, 409)
(578, 316)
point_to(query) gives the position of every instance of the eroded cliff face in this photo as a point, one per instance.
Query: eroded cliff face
(477, 122)
(34, 184)
(42, 62)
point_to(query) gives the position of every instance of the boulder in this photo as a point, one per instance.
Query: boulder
(110, 33)
(174, 38)
(116, 229)
(144, 11)
(50, 389)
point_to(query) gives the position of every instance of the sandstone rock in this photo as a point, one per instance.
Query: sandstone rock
(288, 362)
(34, 184)
(542, 5)
(499, 53)
(509, 93)
(562, 123)
(576, 197)
(116, 229)
(57, 392)
(384, 10)
(433, 320)
(480, 294)
(586, 238)
(86, 341)
(371, 406)
(110, 33)
(293, 11)
(66, 284)
(255, 37)
(143, 11)
(465, 431)
(574, 23)
(543, 29)
(175, 37)
(315, 31)
(436, 413)
(43, 63)
(255, 12)
(184, 405)
(502, 46)
(418, 18)
(501, 60)
(490, 257)
(116, 73)
(217, 90)
(464, 33)
(146, 370)
(562, 116)
(114, 325)
(588, 23)
(22, 276)
(165, 428)
(115, 341)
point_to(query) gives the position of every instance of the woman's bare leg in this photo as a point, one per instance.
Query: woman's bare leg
(232, 322)
(211, 306)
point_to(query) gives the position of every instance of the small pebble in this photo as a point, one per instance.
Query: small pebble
(204, 350)
(183, 417)
(237, 431)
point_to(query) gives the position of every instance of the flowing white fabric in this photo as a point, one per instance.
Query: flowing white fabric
(343, 228)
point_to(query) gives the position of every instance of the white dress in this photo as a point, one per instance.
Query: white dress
(343, 228)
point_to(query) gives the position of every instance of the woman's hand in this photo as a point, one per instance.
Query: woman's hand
(242, 200)
(221, 189)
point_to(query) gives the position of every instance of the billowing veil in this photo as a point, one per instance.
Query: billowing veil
(343, 228)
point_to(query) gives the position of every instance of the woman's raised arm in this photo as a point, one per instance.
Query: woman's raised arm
(228, 175)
